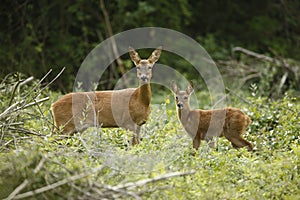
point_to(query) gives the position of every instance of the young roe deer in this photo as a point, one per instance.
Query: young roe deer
(206, 124)
(128, 108)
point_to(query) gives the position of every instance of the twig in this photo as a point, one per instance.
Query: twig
(249, 77)
(8, 110)
(219, 101)
(123, 188)
(40, 165)
(56, 77)
(57, 184)
(13, 93)
(25, 182)
(121, 191)
(42, 79)
(33, 103)
(165, 187)
(2, 147)
(17, 190)
(253, 54)
(243, 99)
(25, 131)
(280, 62)
(27, 81)
(140, 183)
(13, 108)
(282, 82)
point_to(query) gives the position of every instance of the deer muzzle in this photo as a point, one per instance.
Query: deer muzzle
(180, 105)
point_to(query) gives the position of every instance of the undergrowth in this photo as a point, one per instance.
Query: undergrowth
(101, 163)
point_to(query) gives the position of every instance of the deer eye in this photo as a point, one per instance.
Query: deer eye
(176, 98)
(185, 97)
(138, 68)
(149, 67)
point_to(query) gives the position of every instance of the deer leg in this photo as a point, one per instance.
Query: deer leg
(196, 142)
(239, 142)
(136, 136)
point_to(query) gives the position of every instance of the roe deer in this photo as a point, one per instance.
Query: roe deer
(206, 124)
(128, 108)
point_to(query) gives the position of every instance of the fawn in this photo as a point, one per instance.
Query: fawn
(206, 124)
(128, 108)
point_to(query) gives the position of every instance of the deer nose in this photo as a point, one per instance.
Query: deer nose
(180, 105)
(144, 78)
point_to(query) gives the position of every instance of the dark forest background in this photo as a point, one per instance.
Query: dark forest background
(40, 35)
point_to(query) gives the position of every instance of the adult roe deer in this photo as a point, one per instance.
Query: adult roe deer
(128, 108)
(206, 124)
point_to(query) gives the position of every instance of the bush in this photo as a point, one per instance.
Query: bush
(101, 164)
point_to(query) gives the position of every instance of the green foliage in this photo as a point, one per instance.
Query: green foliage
(39, 35)
(275, 124)
(100, 163)
(257, 25)
(20, 106)
(215, 50)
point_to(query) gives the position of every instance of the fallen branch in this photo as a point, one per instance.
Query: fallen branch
(9, 109)
(253, 54)
(27, 81)
(280, 62)
(14, 108)
(56, 184)
(25, 182)
(33, 103)
(39, 83)
(140, 183)
(291, 69)
(117, 192)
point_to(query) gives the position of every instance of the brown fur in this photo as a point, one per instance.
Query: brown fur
(206, 124)
(127, 108)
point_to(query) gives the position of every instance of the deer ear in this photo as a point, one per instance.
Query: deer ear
(155, 55)
(190, 88)
(134, 56)
(174, 87)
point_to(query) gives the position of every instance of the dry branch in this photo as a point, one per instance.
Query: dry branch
(57, 184)
(38, 84)
(14, 108)
(56, 77)
(253, 54)
(285, 71)
(25, 182)
(279, 62)
(105, 191)
(140, 183)
(29, 79)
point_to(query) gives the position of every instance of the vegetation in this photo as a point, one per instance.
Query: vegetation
(60, 34)
(256, 48)
(100, 163)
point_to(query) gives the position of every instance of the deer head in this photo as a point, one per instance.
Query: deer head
(182, 97)
(144, 66)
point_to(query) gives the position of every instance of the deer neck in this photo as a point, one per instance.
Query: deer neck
(184, 113)
(145, 93)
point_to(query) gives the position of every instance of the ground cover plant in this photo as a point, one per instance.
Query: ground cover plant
(101, 163)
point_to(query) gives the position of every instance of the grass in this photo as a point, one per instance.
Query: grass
(100, 163)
